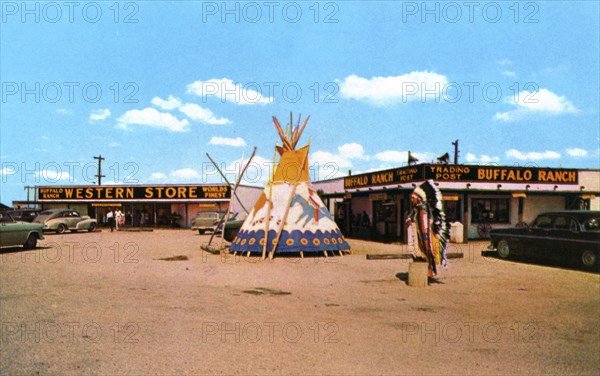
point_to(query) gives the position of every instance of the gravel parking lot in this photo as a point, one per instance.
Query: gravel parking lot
(155, 303)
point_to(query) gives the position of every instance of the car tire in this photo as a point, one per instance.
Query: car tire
(92, 227)
(230, 234)
(588, 259)
(61, 229)
(201, 232)
(31, 242)
(503, 249)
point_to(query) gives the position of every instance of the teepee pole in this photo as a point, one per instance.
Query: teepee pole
(227, 181)
(242, 171)
(287, 209)
(269, 207)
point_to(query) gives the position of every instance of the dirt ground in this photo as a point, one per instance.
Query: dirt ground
(109, 303)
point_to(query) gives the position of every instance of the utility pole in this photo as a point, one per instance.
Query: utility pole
(455, 143)
(99, 176)
(28, 188)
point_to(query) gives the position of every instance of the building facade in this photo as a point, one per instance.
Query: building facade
(146, 205)
(375, 205)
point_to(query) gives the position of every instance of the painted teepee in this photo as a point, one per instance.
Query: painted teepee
(289, 217)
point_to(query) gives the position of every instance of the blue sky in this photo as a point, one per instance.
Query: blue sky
(153, 86)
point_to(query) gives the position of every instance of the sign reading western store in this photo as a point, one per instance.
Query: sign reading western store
(464, 173)
(134, 193)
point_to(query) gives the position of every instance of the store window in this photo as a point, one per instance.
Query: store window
(452, 210)
(490, 210)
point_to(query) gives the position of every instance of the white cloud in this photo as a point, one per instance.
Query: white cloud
(532, 155)
(327, 158)
(482, 158)
(351, 151)
(158, 176)
(114, 145)
(203, 115)
(259, 171)
(577, 152)
(152, 118)
(541, 102)
(225, 141)
(508, 73)
(418, 85)
(505, 62)
(64, 111)
(392, 156)
(228, 91)
(185, 174)
(99, 115)
(166, 104)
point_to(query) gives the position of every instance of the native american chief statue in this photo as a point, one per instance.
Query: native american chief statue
(428, 230)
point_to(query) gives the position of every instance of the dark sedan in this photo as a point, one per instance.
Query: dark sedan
(563, 235)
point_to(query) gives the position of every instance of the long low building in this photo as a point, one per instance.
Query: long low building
(146, 205)
(375, 205)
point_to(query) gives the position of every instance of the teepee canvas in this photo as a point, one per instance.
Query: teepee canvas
(289, 216)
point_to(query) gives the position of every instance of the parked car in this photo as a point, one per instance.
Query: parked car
(208, 221)
(25, 214)
(232, 228)
(61, 220)
(563, 235)
(14, 232)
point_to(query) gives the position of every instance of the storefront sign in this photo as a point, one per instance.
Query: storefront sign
(388, 177)
(463, 173)
(377, 197)
(493, 174)
(133, 193)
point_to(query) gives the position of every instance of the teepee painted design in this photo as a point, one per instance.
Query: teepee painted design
(289, 211)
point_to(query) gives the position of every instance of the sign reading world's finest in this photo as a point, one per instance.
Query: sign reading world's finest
(99, 193)
(463, 173)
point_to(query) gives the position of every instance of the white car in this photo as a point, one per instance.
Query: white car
(61, 220)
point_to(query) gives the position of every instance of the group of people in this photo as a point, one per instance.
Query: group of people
(115, 219)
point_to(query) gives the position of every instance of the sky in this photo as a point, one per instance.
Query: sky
(152, 86)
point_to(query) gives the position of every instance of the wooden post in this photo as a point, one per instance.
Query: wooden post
(417, 274)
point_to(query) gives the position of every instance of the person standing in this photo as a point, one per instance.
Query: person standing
(110, 217)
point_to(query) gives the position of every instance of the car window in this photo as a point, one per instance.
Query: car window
(592, 224)
(74, 214)
(543, 221)
(5, 218)
(562, 223)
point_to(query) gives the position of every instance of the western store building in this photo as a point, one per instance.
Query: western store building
(146, 205)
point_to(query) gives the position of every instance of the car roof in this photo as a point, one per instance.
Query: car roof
(582, 214)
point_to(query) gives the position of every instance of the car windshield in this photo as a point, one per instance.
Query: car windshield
(6, 218)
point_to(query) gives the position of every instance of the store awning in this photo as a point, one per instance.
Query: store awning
(106, 204)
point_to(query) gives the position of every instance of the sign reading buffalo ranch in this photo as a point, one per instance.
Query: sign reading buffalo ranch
(397, 176)
(462, 173)
(500, 174)
(178, 192)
